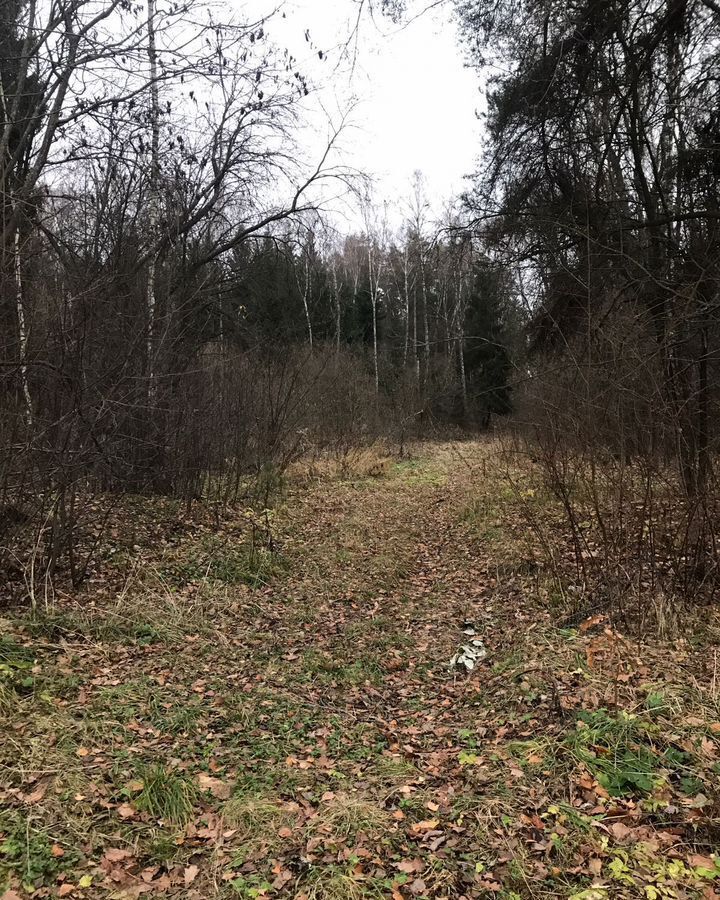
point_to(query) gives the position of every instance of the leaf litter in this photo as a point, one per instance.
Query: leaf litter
(303, 735)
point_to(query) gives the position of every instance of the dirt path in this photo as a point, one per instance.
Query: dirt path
(304, 736)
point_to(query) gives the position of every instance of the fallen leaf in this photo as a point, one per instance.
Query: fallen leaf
(126, 811)
(117, 854)
(410, 866)
(425, 825)
(619, 831)
(282, 877)
(220, 790)
(65, 889)
(57, 851)
(37, 795)
(190, 874)
(697, 861)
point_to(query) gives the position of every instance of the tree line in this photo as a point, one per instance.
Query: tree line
(600, 186)
(178, 316)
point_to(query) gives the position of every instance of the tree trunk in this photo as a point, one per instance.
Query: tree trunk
(426, 322)
(338, 308)
(22, 332)
(153, 211)
(306, 299)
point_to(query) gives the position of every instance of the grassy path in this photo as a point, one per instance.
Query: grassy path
(182, 732)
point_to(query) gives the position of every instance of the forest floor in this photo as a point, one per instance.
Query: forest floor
(209, 720)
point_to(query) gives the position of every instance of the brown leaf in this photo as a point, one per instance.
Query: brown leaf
(190, 874)
(11, 895)
(697, 861)
(37, 795)
(282, 877)
(126, 811)
(425, 825)
(220, 790)
(57, 851)
(418, 886)
(117, 854)
(619, 831)
(65, 889)
(410, 866)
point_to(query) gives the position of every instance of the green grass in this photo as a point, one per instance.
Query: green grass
(418, 472)
(26, 851)
(103, 626)
(626, 754)
(215, 560)
(16, 677)
(166, 795)
(324, 668)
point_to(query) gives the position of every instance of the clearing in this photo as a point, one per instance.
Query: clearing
(215, 718)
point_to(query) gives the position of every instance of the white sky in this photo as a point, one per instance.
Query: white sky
(416, 101)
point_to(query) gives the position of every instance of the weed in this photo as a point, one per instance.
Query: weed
(248, 887)
(28, 853)
(618, 752)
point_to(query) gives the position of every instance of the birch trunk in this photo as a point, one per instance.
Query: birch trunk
(306, 299)
(22, 332)
(338, 307)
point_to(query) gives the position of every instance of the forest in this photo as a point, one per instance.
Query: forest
(356, 544)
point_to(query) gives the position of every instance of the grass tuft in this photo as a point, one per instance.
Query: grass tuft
(166, 795)
(347, 815)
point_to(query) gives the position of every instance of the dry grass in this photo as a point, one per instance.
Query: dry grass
(374, 461)
(347, 815)
(258, 820)
(328, 883)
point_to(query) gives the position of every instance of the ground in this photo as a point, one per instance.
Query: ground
(260, 704)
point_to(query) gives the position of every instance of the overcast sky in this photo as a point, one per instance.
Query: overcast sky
(416, 101)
